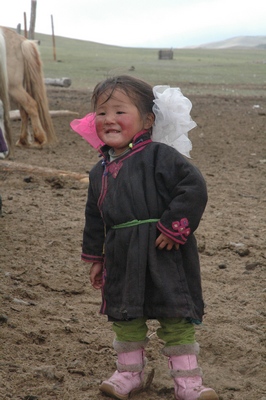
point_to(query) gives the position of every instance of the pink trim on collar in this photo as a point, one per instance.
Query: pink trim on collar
(135, 138)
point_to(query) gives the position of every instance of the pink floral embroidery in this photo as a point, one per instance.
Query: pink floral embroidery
(181, 227)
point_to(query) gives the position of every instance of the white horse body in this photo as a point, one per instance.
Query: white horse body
(5, 132)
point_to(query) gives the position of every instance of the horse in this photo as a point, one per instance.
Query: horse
(26, 87)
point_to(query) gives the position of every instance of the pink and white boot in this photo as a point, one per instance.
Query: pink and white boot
(186, 373)
(128, 378)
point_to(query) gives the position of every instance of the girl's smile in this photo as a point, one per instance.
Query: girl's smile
(118, 120)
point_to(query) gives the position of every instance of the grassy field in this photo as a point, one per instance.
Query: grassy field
(227, 71)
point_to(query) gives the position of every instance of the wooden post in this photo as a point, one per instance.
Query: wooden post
(32, 19)
(13, 166)
(25, 25)
(52, 22)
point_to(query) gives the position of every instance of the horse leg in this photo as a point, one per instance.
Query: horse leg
(28, 108)
(24, 139)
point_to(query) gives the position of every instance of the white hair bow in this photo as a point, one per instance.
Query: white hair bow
(172, 118)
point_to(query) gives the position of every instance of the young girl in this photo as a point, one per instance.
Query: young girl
(145, 200)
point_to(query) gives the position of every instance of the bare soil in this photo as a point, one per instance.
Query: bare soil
(54, 342)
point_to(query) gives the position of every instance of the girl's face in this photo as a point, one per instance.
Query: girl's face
(118, 120)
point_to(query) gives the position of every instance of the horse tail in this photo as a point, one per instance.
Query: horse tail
(4, 92)
(34, 85)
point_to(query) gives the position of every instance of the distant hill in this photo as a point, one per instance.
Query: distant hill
(240, 41)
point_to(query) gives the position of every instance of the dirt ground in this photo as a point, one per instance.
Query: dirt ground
(54, 342)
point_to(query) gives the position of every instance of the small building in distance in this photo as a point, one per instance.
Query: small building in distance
(166, 54)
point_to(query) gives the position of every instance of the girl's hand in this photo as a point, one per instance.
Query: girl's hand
(164, 241)
(96, 275)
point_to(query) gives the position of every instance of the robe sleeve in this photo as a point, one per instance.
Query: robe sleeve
(94, 231)
(188, 196)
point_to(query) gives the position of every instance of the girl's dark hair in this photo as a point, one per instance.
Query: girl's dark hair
(138, 91)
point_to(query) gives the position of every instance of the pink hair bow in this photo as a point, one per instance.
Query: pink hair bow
(86, 128)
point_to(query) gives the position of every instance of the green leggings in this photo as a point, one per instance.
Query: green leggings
(173, 331)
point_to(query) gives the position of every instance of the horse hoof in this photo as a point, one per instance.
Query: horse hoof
(30, 145)
(22, 143)
(38, 145)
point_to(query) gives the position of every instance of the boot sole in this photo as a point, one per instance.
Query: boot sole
(209, 395)
(110, 390)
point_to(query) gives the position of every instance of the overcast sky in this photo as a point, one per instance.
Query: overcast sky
(142, 23)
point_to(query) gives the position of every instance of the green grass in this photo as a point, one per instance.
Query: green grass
(235, 71)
